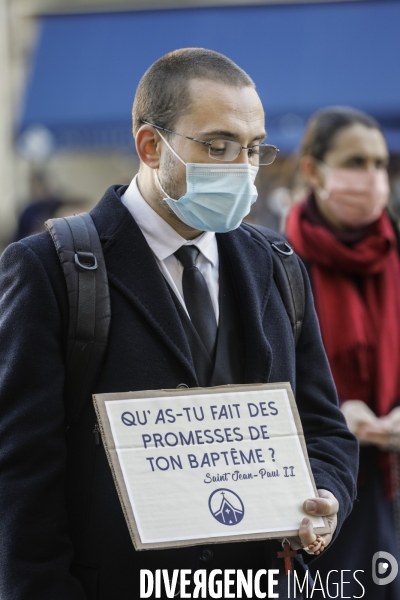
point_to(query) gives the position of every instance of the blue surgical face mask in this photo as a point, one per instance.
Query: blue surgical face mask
(218, 196)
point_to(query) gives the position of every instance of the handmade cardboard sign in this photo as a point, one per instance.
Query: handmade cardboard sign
(204, 465)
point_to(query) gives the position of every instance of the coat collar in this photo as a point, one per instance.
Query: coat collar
(131, 267)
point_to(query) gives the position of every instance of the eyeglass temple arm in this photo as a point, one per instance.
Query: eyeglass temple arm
(180, 134)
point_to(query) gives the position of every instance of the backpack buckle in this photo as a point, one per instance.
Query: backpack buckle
(287, 252)
(86, 260)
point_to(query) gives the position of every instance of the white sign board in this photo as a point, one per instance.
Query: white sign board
(208, 465)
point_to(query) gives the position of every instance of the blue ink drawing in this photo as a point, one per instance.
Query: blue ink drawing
(226, 507)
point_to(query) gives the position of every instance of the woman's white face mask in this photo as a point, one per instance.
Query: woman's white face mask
(218, 196)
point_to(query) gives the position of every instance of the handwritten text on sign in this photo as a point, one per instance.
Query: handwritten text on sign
(200, 466)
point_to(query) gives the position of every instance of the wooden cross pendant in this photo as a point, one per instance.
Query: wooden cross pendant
(287, 555)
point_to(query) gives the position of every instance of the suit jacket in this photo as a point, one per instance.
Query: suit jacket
(62, 531)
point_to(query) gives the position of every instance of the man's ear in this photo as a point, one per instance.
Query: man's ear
(148, 146)
(311, 172)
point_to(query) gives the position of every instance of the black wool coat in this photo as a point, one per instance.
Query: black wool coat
(62, 531)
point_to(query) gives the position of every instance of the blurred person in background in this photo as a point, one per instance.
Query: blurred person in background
(42, 205)
(46, 204)
(350, 245)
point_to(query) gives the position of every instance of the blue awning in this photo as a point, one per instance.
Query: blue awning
(302, 57)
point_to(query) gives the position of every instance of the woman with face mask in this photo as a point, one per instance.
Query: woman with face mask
(349, 243)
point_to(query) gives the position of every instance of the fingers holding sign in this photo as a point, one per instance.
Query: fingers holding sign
(324, 506)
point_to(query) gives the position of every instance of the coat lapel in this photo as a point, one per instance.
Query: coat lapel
(133, 270)
(252, 273)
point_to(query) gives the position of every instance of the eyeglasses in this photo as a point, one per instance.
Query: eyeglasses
(228, 150)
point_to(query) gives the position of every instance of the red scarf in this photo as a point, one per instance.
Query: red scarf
(357, 300)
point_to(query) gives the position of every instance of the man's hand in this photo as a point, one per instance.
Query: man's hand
(324, 506)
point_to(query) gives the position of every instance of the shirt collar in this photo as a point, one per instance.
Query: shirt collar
(161, 237)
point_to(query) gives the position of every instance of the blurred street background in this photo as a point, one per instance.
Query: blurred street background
(69, 70)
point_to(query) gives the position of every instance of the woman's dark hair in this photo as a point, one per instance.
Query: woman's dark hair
(323, 126)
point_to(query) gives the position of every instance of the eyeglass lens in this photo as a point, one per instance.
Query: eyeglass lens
(227, 150)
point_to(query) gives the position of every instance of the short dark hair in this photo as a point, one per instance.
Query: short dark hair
(323, 126)
(162, 94)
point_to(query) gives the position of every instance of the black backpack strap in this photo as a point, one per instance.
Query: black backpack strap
(81, 256)
(287, 274)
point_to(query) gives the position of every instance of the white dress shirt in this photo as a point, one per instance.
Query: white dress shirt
(164, 241)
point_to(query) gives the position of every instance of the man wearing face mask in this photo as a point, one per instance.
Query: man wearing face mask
(350, 246)
(194, 303)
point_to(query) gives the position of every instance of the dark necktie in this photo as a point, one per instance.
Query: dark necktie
(197, 298)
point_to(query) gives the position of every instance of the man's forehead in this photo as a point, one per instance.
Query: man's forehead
(217, 107)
